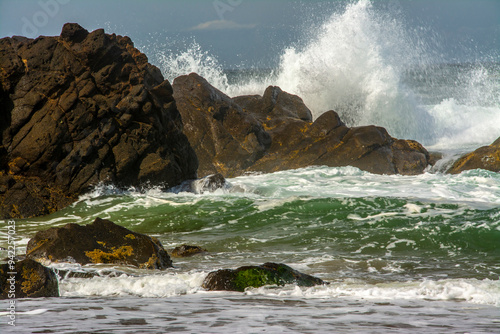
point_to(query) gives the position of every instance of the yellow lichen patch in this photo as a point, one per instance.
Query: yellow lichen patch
(102, 243)
(25, 62)
(120, 254)
(31, 279)
(304, 129)
(130, 236)
(151, 264)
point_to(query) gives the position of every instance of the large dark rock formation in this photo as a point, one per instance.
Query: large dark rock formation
(486, 157)
(275, 132)
(80, 109)
(99, 242)
(257, 276)
(27, 279)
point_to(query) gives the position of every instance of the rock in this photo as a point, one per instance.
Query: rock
(276, 103)
(99, 242)
(486, 157)
(80, 109)
(187, 250)
(208, 183)
(31, 280)
(275, 132)
(257, 276)
(226, 139)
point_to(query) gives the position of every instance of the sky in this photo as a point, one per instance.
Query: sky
(246, 33)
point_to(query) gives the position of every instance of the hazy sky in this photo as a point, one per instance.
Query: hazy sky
(251, 32)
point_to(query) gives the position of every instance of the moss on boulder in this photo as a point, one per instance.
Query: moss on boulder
(257, 276)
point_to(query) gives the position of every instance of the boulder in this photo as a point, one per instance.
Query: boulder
(486, 157)
(187, 250)
(275, 132)
(257, 276)
(79, 109)
(27, 279)
(102, 241)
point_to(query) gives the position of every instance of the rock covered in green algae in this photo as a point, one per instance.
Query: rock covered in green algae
(257, 276)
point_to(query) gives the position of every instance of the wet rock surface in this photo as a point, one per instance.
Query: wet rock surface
(102, 241)
(79, 109)
(27, 279)
(486, 157)
(257, 276)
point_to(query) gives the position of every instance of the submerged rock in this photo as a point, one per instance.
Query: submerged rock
(486, 157)
(208, 183)
(257, 276)
(27, 279)
(275, 132)
(79, 109)
(187, 250)
(99, 242)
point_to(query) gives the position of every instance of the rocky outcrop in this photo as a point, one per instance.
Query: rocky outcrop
(275, 132)
(99, 242)
(79, 109)
(27, 279)
(257, 276)
(226, 139)
(486, 157)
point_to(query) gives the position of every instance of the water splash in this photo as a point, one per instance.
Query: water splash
(370, 67)
(193, 59)
(354, 65)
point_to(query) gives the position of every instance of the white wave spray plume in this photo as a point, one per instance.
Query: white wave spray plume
(357, 62)
(354, 65)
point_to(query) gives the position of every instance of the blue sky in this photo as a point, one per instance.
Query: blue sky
(251, 32)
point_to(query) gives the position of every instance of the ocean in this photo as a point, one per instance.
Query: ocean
(403, 254)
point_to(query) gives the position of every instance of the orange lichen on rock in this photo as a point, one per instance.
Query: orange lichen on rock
(116, 254)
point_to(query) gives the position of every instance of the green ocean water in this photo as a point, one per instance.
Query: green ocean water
(389, 243)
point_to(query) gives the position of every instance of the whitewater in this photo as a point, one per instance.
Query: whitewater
(403, 254)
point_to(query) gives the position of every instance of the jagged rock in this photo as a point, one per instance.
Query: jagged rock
(99, 242)
(486, 157)
(187, 250)
(283, 136)
(27, 279)
(80, 109)
(226, 140)
(275, 103)
(257, 276)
